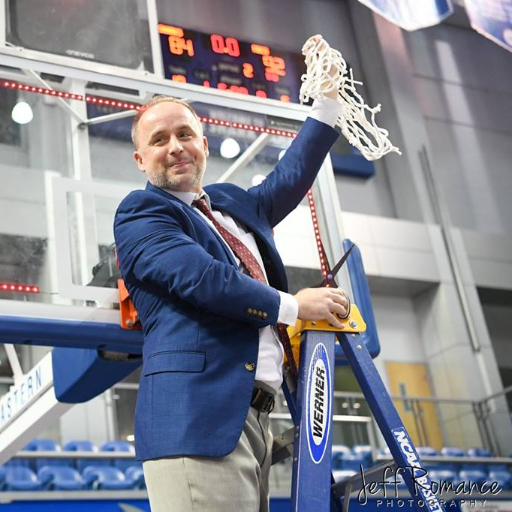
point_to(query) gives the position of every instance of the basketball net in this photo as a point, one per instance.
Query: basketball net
(327, 71)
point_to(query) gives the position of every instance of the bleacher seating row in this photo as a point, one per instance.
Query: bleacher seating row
(64, 478)
(43, 473)
(346, 462)
(73, 474)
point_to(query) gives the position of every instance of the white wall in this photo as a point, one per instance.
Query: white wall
(399, 333)
(463, 86)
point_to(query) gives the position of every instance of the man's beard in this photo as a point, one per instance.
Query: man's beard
(177, 183)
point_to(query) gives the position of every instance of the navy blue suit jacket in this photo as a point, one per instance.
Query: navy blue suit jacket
(199, 312)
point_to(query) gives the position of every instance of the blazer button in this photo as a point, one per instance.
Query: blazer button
(249, 311)
(265, 315)
(250, 367)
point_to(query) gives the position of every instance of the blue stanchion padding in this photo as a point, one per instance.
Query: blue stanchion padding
(81, 374)
(360, 296)
(24, 330)
(352, 165)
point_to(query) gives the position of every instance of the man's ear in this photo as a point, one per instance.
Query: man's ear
(205, 145)
(138, 158)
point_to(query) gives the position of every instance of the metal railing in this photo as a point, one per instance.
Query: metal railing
(430, 421)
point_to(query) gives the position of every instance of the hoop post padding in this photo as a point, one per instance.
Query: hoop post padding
(82, 374)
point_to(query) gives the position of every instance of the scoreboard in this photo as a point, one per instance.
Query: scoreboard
(226, 63)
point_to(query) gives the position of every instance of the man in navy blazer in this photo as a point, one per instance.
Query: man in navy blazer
(212, 361)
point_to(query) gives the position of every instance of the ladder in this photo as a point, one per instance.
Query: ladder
(310, 401)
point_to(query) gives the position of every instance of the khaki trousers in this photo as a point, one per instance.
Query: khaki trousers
(238, 482)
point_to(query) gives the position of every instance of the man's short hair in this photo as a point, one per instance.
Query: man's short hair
(155, 100)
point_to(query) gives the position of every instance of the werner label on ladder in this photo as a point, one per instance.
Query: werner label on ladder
(319, 403)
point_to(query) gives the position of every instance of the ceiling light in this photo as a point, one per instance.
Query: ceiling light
(22, 113)
(229, 148)
(257, 179)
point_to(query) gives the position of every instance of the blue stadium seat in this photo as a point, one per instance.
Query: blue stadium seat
(60, 478)
(428, 451)
(353, 462)
(479, 452)
(452, 451)
(20, 479)
(342, 474)
(84, 446)
(46, 445)
(385, 451)
(504, 479)
(17, 463)
(135, 476)
(80, 446)
(339, 452)
(117, 446)
(364, 451)
(104, 477)
(443, 476)
(38, 445)
(473, 475)
(120, 446)
(446, 475)
(399, 478)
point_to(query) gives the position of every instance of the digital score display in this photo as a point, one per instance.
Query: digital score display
(226, 63)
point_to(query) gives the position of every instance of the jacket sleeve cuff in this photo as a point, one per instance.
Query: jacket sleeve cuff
(326, 110)
(288, 309)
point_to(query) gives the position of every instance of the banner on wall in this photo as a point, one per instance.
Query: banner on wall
(492, 19)
(412, 14)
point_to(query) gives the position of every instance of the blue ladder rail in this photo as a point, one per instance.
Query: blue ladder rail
(312, 400)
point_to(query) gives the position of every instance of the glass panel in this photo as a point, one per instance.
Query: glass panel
(93, 264)
(110, 145)
(29, 153)
(113, 32)
(125, 400)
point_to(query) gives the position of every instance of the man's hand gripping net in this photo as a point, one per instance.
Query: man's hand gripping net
(327, 71)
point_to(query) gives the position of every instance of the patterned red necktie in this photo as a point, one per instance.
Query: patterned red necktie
(253, 268)
(238, 247)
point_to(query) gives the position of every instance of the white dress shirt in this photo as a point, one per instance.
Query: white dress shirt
(270, 354)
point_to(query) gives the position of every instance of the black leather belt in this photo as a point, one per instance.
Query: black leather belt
(262, 400)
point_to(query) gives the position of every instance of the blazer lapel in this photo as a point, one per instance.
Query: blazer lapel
(196, 217)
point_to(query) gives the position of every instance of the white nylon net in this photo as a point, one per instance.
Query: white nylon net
(327, 71)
